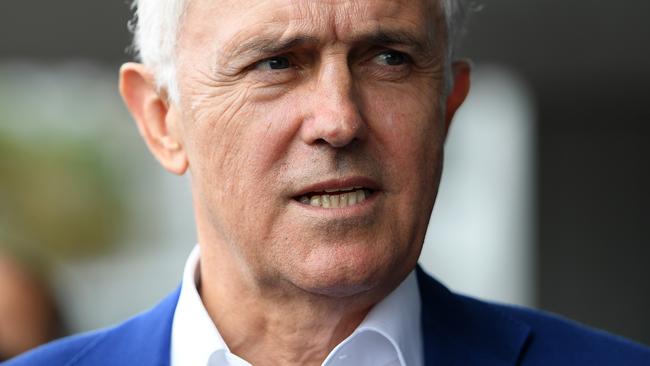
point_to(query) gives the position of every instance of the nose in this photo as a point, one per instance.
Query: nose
(335, 117)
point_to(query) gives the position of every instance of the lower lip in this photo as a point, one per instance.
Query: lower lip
(357, 209)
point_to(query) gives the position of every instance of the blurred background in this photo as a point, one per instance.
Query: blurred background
(543, 203)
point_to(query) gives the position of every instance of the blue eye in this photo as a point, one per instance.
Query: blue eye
(393, 58)
(274, 63)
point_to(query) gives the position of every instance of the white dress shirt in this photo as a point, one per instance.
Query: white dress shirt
(390, 335)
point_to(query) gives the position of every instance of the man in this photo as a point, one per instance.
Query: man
(313, 131)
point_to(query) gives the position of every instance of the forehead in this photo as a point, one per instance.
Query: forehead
(226, 24)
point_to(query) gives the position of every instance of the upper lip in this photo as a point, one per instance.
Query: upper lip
(351, 182)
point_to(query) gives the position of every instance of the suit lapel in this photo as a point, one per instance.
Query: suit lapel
(462, 331)
(142, 340)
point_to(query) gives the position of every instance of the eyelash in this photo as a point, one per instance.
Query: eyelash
(275, 58)
(405, 58)
(372, 66)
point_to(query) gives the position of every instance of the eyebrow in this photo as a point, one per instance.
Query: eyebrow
(269, 45)
(396, 37)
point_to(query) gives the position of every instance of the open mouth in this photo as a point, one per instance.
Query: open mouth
(336, 198)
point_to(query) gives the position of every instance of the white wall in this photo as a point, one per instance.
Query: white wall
(480, 237)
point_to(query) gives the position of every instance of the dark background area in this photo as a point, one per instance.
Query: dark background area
(588, 65)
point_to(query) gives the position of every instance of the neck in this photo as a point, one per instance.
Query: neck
(285, 325)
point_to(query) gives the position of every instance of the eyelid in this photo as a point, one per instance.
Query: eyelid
(377, 70)
(377, 53)
(265, 61)
(292, 63)
(405, 55)
(265, 76)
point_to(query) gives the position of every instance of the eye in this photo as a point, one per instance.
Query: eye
(392, 58)
(274, 63)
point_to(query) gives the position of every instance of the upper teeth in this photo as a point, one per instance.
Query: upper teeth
(348, 198)
(342, 189)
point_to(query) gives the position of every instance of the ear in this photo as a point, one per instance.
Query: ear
(158, 121)
(461, 74)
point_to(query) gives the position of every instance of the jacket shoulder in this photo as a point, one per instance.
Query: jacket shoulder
(555, 340)
(141, 340)
(461, 330)
(65, 352)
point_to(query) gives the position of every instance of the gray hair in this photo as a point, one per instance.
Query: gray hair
(156, 26)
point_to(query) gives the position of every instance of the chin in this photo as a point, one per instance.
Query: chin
(345, 273)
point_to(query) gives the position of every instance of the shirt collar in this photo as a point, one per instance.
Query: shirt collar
(395, 320)
(397, 317)
(391, 330)
(194, 336)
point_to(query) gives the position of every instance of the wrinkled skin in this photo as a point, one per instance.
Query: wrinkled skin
(255, 135)
(284, 97)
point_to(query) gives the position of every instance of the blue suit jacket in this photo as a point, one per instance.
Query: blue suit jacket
(457, 330)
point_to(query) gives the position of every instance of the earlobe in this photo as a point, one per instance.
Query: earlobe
(461, 71)
(158, 121)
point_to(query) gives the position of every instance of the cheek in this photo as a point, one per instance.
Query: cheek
(276, 124)
(409, 135)
(237, 150)
(408, 138)
(216, 155)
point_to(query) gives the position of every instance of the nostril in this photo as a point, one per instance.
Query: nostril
(328, 128)
(334, 142)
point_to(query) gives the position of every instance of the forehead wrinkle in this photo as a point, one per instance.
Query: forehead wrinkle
(335, 18)
(317, 22)
(377, 34)
(268, 44)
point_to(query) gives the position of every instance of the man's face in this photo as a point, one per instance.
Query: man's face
(290, 106)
